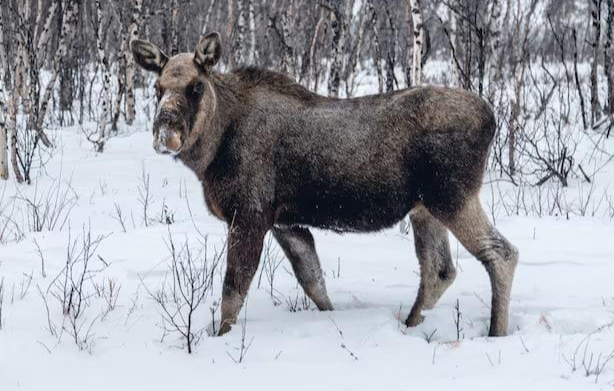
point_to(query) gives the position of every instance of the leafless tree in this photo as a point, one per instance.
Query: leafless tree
(106, 80)
(133, 33)
(376, 43)
(595, 10)
(190, 281)
(608, 56)
(519, 62)
(418, 29)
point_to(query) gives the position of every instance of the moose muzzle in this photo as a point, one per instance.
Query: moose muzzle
(169, 124)
(167, 141)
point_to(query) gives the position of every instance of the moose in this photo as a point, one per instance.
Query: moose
(273, 156)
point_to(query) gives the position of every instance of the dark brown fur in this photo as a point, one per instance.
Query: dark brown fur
(272, 155)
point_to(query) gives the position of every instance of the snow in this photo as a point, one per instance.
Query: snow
(562, 305)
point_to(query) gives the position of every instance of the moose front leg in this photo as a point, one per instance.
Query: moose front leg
(244, 249)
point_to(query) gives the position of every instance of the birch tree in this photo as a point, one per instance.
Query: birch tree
(240, 34)
(309, 66)
(106, 80)
(494, 36)
(69, 19)
(339, 25)
(279, 24)
(121, 76)
(391, 39)
(45, 35)
(356, 50)
(378, 51)
(26, 94)
(595, 44)
(133, 33)
(174, 26)
(418, 28)
(520, 59)
(205, 27)
(608, 56)
(251, 26)
(4, 159)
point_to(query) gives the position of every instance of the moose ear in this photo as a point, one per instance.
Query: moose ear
(209, 50)
(148, 55)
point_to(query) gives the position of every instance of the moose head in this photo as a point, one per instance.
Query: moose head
(185, 97)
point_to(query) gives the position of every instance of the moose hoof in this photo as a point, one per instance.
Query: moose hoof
(224, 328)
(413, 320)
(325, 305)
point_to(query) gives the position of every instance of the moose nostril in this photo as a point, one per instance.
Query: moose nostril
(167, 140)
(173, 142)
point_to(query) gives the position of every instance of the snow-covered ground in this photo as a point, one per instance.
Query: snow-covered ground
(561, 320)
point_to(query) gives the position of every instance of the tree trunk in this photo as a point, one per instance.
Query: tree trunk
(391, 43)
(283, 33)
(4, 159)
(240, 34)
(121, 77)
(608, 57)
(520, 59)
(336, 23)
(230, 23)
(350, 70)
(205, 27)
(43, 40)
(408, 59)
(309, 62)
(596, 22)
(106, 80)
(69, 19)
(133, 33)
(251, 25)
(174, 27)
(416, 70)
(378, 51)
(16, 91)
(577, 79)
(494, 42)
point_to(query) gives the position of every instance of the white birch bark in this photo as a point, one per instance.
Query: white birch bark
(4, 158)
(520, 57)
(121, 77)
(133, 33)
(596, 25)
(494, 33)
(251, 25)
(408, 60)
(205, 27)
(350, 70)
(378, 51)
(608, 57)
(18, 88)
(68, 24)
(416, 14)
(340, 19)
(106, 80)
(240, 36)
(43, 40)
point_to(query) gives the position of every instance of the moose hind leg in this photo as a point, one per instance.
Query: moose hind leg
(437, 271)
(299, 247)
(499, 257)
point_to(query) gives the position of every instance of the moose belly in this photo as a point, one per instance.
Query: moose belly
(345, 208)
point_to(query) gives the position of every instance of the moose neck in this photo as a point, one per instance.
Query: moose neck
(211, 127)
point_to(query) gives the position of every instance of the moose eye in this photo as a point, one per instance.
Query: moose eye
(195, 91)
